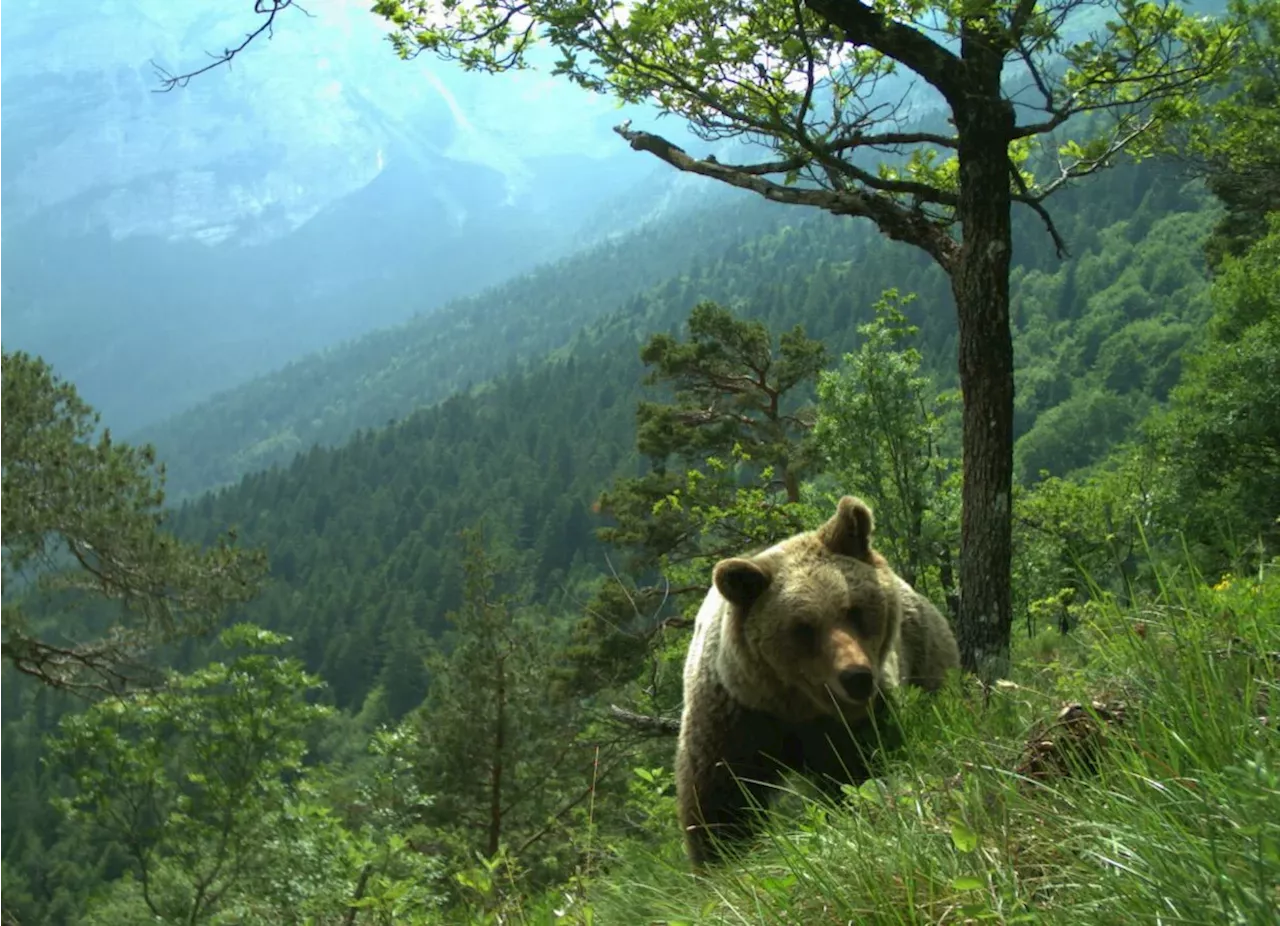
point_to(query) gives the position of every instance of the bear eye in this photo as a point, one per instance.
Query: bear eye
(805, 634)
(857, 617)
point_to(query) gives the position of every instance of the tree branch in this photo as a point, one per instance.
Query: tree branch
(1025, 196)
(839, 146)
(894, 220)
(1018, 21)
(909, 46)
(349, 917)
(269, 8)
(1086, 166)
(101, 667)
(560, 814)
(654, 726)
(1177, 72)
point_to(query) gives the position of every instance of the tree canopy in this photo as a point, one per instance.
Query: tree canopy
(1233, 140)
(83, 523)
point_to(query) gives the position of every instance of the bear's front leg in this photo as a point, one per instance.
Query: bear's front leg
(839, 753)
(726, 763)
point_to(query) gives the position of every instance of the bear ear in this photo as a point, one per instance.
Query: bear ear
(741, 581)
(848, 533)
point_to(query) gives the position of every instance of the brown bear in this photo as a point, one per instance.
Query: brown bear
(792, 650)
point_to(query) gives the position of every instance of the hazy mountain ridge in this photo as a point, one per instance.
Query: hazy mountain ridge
(316, 189)
(300, 119)
(388, 373)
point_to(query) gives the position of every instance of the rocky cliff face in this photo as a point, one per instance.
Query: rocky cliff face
(161, 246)
(251, 151)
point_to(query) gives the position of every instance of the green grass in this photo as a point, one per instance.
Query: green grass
(1175, 819)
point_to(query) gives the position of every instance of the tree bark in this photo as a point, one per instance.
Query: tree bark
(980, 284)
(791, 483)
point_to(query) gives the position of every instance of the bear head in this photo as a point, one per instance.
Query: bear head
(812, 623)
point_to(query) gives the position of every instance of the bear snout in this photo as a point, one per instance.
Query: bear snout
(858, 682)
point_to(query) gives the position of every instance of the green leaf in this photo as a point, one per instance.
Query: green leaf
(962, 837)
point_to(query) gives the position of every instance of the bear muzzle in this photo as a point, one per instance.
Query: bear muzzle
(858, 683)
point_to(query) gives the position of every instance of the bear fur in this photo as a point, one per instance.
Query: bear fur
(793, 650)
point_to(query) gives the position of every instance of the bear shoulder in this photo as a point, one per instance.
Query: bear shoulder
(927, 647)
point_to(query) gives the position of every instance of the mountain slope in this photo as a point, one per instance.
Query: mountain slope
(161, 247)
(326, 397)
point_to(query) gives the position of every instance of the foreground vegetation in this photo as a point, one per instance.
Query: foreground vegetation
(1127, 772)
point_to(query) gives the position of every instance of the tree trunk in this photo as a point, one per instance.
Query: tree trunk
(980, 283)
(946, 572)
(495, 768)
(792, 484)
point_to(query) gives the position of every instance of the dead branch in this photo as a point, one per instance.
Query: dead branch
(269, 8)
(653, 726)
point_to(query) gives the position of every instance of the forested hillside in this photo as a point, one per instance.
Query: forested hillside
(405, 642)
(326, 397)
(743, 251)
